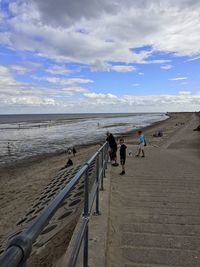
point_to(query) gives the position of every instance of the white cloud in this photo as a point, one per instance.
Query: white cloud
(193, 58)
(105, 97)
(13, 92)
(74, 90)
(122, 68)
(89, 31)
(101, 66)
(57, 69)
(75, 98)
(136, 84)
(178, 79)
(13, 8)
(126, 103)
(166, 67)
(24, 67)
(63, 81)
(185, 93)
(103, 35)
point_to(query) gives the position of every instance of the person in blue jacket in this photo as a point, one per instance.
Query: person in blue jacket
(141, 144)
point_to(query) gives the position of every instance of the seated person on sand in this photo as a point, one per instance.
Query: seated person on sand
(197, 129)
(68, 164)
(158, 134)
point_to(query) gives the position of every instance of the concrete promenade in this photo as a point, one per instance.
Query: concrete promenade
(154, 210)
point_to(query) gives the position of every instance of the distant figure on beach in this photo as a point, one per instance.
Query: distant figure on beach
(141, 144)
(122, 152)
(113, 148)
(68, 164)
(9, 148)
(197, 128)
(74, 151)
(158, 134)
(69, 151)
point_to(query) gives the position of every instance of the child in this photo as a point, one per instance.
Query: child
(122, 152)
(141, 144)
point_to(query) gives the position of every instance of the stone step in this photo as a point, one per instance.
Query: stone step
(133, 217)
(163, 211)
(148, 265)
(171, 229)
(160, 256)
(160, 204)
(159, 240)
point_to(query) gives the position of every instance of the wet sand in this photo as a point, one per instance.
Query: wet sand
(22, 183)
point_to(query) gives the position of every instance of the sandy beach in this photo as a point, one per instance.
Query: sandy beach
(22, 183)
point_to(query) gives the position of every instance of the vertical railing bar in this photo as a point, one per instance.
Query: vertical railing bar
(86, 214)
(102, 172)
(75, 252)
(31, 233)
(85, 249)
(104, 161)
(86, 194)
(97, 181)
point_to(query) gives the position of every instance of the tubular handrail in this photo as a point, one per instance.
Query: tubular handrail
(19, 248)
(83, 228)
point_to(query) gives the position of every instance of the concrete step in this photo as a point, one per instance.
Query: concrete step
(159, 240)
(168, 229)
(133, 217)
(161, 256)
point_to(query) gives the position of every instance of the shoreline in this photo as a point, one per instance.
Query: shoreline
(20, 184)
(37, 158)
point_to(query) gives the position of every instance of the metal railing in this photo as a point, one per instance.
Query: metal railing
(19, 248)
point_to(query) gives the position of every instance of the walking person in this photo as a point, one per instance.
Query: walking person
(122, 152)
(141, 144)
(113, 148)
(74, 151)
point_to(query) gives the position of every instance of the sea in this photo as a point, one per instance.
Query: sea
(29, 135)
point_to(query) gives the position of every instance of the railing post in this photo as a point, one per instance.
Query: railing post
(102, 169)
(106, 156)
(86, 214)
(86, 194)
(97, 181)
(104, 161)
(85, 251)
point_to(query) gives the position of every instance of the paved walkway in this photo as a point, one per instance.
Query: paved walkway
(154, 216)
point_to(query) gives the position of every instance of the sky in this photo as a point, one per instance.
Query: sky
(82, 56)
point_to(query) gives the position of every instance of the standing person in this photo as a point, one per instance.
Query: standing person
(113, 148)
(74, 151)
(141, 144)
(9, 148)
(122, 152)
